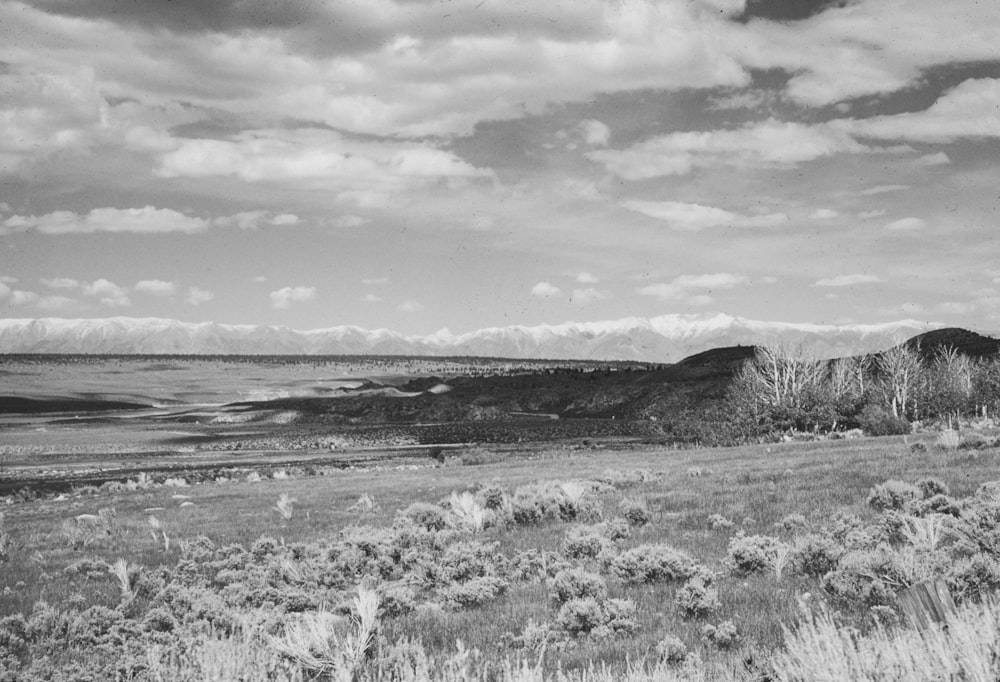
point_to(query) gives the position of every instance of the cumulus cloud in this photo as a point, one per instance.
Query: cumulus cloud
(823, 214)
(770, 143)
(252, 220)
(545, 290)
(155, 287)
(848, 280)
(907, 224)
(147, 220)
(19, 297)
(684, 216)
(410, 306)
(61, 283)
(595, 133)
(108, 293)
(585, 295)
(372, 298)
(968, 110)
(586, 278)
(197, 296)
(283, 298)
(55, 303)
(694, 289)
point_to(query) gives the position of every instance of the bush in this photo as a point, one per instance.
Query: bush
(576, 583)
(876, 421)
(974, 577)
(975, 441)
(600, 617)
(815, 555)
(752, 553)
(429, 516)
(724, 635)
(892, 495)
(698, 597)
(616, 529)
(636, 512)
(929, 487)
(585, 542)
(671, 650)
(719, 522)
(948, 440)
(792, 522)
(475, 592)
(652, 564)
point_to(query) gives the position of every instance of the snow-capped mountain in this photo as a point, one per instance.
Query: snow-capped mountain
(667, 338)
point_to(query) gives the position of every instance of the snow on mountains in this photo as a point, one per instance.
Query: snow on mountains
(667, 338)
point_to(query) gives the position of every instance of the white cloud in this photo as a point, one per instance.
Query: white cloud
(683, 216)
(848, 280)
(595, 133)
(936, 159)
(545, 290)
(372, 298)
(770, 143)
(155, 287)
(197, 296)
(410, 306)
(967, 111)
(108, 293)
(868, 215)
(252, 220)
(905, 224)
(585, 295)
(55, 303)
(882, 189)
(824, 214)
(376, 281)
(18, 297)
(148, 220)
(61, 283)
(586, 278)
(348, 221)
(694, 289)
(285, 297)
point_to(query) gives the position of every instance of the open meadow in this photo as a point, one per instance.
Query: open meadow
(533, 562)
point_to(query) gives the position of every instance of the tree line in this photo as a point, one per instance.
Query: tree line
(783, 389)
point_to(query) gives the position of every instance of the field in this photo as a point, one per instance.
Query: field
(782, 492)
(137, 546)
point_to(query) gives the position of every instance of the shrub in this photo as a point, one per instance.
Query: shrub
(475, 592)
(463, 561)
(892, 495)
(585, 542)
(938, 504)
(671, 650)
(815, 555)
(599, 617)
(724, 635)
(975, 441)
(636, 512)
(616, 529)
(576, 583)
(697, 597)
(875, 421)
(426, 515)
(752, 553)
(948, 440)
(929, 487)
(792, 523)
(719, 522)
(972, 578)
(653, 563)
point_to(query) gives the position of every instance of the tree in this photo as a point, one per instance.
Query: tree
(901, 372)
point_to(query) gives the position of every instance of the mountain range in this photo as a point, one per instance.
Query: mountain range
(663, 339)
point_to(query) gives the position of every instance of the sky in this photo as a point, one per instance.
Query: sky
(426, 164)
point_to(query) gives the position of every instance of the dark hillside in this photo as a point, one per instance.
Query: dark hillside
(964, 341)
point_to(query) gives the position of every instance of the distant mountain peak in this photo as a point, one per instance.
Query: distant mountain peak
(665, 338)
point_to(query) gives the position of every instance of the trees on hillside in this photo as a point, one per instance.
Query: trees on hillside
(782, 388)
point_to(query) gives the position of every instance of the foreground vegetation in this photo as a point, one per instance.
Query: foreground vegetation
(787, 562)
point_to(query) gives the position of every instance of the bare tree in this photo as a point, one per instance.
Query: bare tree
(901, 372)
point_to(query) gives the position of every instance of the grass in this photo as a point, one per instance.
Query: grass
(755, 486)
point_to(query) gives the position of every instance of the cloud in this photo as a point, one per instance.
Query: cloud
(108, 293)
(282, 299)
(61, 283)
(148, 220)
(868, 215)
(683, 216)
(55, 303)
(375, 281)
(155, 287)
(907, 224)
(968, 110)
(545, 290)
(882, 189)
(410, 306)
(770, 143)
(252, 220)
(372, 298)
(694, 289)
(586, 295)
(595, 133)
(936, 159)
(197, 296)
(848, 280)
(347, 221)
(823, 214)
(18, 297)
(586, 278)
